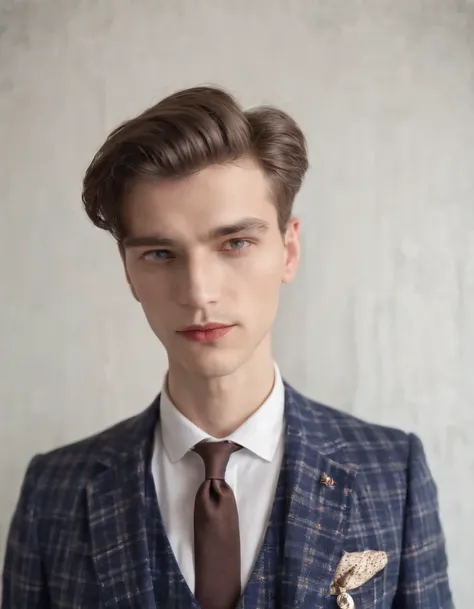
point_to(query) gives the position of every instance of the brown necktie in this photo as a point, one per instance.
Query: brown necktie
(216, 531)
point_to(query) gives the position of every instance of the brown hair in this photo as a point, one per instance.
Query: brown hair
(184, 133)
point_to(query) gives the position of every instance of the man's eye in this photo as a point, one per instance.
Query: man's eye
(156, 255)
(238, 244)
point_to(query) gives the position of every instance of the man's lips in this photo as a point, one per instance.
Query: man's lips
(207, 333)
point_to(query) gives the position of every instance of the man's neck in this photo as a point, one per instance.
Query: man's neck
(220, 406)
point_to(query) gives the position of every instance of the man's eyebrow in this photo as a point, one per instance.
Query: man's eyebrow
(246, 224)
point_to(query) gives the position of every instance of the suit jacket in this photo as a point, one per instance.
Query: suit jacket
(78, 538)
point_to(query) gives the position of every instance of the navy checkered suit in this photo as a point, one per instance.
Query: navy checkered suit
(78, 538)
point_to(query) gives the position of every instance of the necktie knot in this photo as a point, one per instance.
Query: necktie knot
(216, 456)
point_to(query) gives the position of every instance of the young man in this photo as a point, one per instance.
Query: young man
(231, 489)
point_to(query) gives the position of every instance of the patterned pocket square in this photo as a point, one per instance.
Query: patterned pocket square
(355, 569)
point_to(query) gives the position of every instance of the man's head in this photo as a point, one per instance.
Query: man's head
(199, 195)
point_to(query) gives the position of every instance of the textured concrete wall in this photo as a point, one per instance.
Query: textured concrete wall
(380, 321)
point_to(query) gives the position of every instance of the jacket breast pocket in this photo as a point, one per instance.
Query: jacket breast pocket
(374, 594)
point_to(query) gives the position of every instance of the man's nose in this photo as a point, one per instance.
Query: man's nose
(198, 282)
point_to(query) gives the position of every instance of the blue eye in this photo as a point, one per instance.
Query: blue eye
(240, 243)
(156, 255)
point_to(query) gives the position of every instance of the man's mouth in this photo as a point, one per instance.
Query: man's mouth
(205, 333)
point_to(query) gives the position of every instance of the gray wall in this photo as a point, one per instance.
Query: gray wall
(379, 322)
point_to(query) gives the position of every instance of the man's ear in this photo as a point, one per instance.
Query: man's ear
(292, 250)
(123, 256)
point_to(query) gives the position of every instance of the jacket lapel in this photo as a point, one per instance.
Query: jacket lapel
(316, 523)
(116, 503)
(317, 514)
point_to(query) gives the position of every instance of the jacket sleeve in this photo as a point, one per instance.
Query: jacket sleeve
(23, 582)
(423, 582)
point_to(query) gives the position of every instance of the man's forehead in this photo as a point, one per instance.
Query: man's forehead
(228, 178)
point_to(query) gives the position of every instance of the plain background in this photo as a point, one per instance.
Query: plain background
(380, 321)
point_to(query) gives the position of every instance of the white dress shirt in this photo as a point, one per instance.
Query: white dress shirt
(252, 474)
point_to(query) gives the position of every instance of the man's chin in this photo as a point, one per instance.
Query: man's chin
(210, 365)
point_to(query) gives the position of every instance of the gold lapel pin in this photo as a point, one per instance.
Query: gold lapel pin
(327, 481)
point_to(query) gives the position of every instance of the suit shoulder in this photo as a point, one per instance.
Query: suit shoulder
(74, 461)
(352, 426)
(367, 445)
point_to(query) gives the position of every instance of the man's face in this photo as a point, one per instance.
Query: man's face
(207, 249)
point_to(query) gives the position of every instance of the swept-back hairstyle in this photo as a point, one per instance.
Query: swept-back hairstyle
(185, 133)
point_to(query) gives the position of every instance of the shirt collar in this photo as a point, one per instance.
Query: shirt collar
(260, 433)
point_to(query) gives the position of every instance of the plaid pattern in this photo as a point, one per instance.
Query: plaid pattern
(78, 538)
(171, 589)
